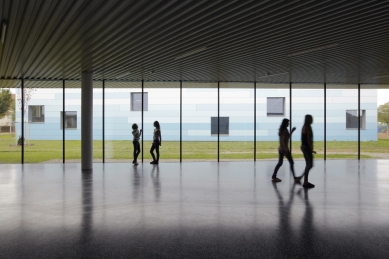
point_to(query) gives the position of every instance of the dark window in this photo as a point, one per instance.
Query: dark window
(36, 113)
(70, 120)
(352, 119)
(224, 125)
(275, 106)
(136, 101)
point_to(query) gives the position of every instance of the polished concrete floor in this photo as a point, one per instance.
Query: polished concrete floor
(194, 210)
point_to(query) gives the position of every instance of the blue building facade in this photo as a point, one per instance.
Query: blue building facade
(238, 111)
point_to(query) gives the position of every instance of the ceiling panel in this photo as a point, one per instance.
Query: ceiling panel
(339, 42)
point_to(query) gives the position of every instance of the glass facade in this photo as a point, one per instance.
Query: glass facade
(200, 121)
(272, 106)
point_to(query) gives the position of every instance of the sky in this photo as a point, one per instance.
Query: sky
(382, 96)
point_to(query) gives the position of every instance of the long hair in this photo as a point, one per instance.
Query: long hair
(156, 124)
(308, 120)
(284, 125)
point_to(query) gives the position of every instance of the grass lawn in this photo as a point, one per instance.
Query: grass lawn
(51, 150)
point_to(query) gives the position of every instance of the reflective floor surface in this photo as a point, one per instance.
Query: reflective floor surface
(194, 210)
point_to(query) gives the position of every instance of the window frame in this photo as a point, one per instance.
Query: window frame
(61, 123)
(362, 119)
(274, 114)
(215, 120)
(30, 115)
(145, 101)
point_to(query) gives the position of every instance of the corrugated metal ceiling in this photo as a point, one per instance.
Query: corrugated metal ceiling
(344, 42)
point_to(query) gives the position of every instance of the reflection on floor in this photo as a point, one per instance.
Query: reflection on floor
(197, 210)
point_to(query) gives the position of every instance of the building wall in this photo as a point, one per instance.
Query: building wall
(199, 105)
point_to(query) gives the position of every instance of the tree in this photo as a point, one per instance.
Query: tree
(383, 113)
(5, 102)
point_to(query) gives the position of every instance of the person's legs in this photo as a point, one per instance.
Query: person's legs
(308, 165)
(157, 150)
(279, 164)
(136, 150)
(291, 163)
(152, 150)
(134, 144)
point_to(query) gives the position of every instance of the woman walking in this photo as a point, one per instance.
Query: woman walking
(283, 150)
(307, 148)
(157, 141)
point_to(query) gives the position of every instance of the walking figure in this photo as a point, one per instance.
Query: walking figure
(283, 150)
(157, 141)
(307, 148)
(136, 133)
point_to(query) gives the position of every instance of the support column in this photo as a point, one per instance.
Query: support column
(87, 121)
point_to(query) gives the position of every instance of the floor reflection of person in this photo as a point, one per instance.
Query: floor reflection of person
(156, 182)
(308, 240)
(286, 236)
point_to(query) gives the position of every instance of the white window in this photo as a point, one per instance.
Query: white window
(70, 120)
(352, 119)
(36, 114)
(224, 127)
(136, 101)
(275, 106)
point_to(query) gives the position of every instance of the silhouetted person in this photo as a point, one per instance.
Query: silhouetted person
(283, 150)
(307, 148)
(136, 133)
(157, 141)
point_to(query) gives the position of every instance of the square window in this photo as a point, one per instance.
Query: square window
(275, 106)
(136, 101)
(352, 119)
(36, 113)
(224, 125)
(70, 120)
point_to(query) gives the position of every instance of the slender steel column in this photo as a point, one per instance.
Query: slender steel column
(359, 121)
(22, 88)
(255, 121)
(325, 121)
(63, 121)
(180, 121)
(142, 116)
(103, 121)
(86, 120)
(218, 121)
(290, 113)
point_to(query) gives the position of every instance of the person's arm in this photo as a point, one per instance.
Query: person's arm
(294, 128)
(160, 137)
(140, 132)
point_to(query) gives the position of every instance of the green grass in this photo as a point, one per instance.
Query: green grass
(51, 150)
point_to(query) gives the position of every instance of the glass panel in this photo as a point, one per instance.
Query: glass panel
(10, 118)
(43, 100)
(119, 119)
(236, 121)
(163, 99)
(268, 125)
(72, 121)
(97, 121)
(342, 142)
(199, 104)
(374, 113)
(308, 99)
